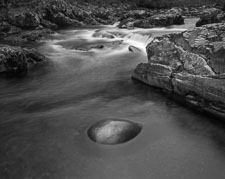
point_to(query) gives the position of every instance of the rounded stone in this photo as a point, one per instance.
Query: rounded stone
(113, 131)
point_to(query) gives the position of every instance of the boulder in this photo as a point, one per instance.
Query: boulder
(63, 21)
(59, 12)
(113, 131)
(211, 15)
(17, 36)
(190, 64)
(97, 46)
(15, 60)
(25, 20)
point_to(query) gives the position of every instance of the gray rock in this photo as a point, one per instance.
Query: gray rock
(190, 64)
(113, 131)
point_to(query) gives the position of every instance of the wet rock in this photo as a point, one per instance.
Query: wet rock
(133, 49)
(63, 21)
(15, 60)
(98, 46)
(211, 15)
(169, 17)
(156, 75)
(81, 49)
(61, 13)
(48, 24)
(113, 131)
(18, 36)
(25, 20)
(53, 14)
(103, 34)
(136, 14)
(191, 63)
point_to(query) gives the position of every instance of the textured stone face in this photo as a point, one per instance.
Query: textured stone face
(191, 64)
(113, 131)
(211, 15)
(16, 59)
(26, 20)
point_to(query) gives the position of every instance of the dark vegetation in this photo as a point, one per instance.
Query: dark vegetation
(155, 4)
(178, 3)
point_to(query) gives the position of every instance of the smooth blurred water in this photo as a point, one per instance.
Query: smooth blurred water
(45, 116)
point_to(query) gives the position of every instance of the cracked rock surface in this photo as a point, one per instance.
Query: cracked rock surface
(190, 64)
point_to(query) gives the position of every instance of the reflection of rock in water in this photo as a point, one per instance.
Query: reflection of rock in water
(114, 131)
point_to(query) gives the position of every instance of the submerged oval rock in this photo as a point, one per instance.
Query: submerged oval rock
(114, 131)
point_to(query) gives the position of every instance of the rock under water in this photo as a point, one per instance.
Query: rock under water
(113, 131)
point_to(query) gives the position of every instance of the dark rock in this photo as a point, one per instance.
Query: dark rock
(103, 34)
(48, 24)
(113, 131)
(133, 49)
(98, 46)
(25, 20)
(211, 15)
(5, 27)
(63, 21)
(167, 18)
(59, 12)
(191, 63)
(136, 14)
(17, 36)
(15, 60)
(52, 14)
(82, 49)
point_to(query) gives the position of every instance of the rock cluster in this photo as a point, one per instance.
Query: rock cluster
(33, 22)
(149, 19)
(210, 16)
(15, 60)
(190, 64)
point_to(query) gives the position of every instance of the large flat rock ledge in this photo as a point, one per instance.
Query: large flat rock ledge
(190, 64)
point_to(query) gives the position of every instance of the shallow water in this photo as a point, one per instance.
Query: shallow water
(45, 116)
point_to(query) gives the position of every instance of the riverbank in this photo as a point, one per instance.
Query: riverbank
(33, 21)
(28, 23)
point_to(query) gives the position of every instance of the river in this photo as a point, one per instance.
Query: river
(46, 114)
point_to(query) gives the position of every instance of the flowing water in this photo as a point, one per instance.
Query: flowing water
(46, 114)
